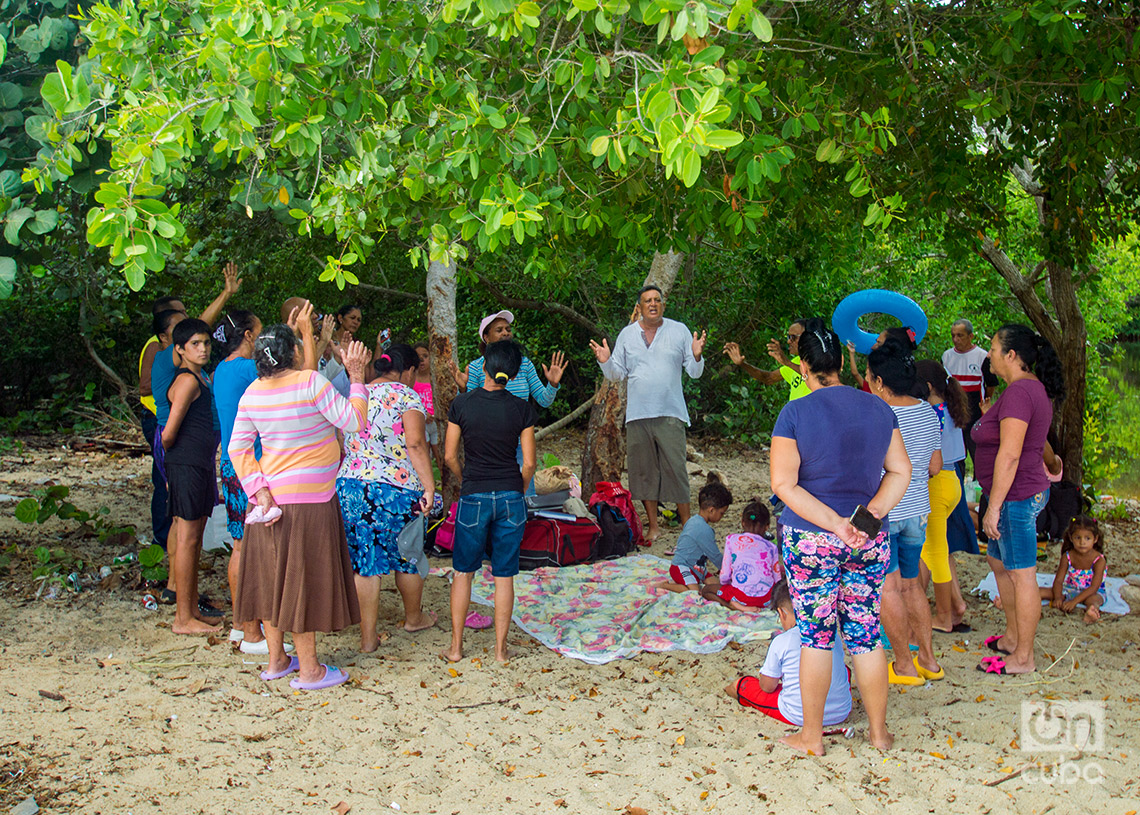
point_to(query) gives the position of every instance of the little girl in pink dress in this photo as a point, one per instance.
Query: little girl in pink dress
(751, 565)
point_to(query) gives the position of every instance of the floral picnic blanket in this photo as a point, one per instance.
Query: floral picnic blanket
(599, 612)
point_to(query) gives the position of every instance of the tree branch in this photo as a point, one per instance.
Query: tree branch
(1022, 289)
(892, 261)
(104, 368)
(542, 305)
(407, 295)
(543, 432)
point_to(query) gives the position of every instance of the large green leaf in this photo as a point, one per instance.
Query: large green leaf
(45, 221)
(15, 220)
(10, 183)
(7, 277)
(11, 94)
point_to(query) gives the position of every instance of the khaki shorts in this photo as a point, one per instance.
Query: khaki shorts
(655, 457)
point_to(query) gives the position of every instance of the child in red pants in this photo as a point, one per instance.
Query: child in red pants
(776, 692)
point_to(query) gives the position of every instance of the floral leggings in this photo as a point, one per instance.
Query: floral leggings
(832, 584)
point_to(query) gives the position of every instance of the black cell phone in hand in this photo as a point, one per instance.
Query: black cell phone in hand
(865, 522)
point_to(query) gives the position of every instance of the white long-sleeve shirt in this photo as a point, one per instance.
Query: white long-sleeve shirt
(653, 370)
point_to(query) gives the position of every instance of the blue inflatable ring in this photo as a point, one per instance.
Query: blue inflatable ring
(845, 320)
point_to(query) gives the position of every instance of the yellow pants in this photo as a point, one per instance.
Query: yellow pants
(945, 493)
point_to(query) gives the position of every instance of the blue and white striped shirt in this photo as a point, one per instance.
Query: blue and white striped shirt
(922, 434)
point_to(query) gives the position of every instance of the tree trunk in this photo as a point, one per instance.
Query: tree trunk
(441, 342)
(1072, 350)
(603, 457)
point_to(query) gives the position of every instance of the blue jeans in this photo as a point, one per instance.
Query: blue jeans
(907, 538)
(1016, 546)
(489, 523)
(159, 518)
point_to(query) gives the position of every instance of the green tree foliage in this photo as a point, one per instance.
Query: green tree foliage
(620, 123)
(32, 36)
(612, 126)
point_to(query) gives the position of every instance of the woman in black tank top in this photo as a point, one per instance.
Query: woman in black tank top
(189, 440)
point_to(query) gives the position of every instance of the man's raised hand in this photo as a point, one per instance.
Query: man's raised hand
(732, 350)
(699, 343)
(776, 352)
(601, 352)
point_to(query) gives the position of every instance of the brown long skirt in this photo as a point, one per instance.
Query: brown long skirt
(297, 575)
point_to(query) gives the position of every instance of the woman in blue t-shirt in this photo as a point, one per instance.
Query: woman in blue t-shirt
(237, 332)
(832, 451)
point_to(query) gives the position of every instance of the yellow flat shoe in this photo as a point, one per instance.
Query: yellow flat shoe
(931, 675)
(895, 679)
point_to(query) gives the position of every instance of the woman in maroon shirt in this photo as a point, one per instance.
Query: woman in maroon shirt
(1008, 462)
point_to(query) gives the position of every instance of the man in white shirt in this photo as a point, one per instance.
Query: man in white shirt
(650, 353)
(964, 362)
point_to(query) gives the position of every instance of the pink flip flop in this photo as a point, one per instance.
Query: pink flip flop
(479, 621)
(332, 678)
(294, 665)
(992, 644)
(993, 665)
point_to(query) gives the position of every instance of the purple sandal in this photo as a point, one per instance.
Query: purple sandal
(294, 665)
(332, 678)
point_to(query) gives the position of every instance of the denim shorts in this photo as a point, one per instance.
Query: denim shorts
(491, 524)
(907, 539)
(1016, 546)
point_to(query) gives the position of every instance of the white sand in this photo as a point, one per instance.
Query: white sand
(542, 734)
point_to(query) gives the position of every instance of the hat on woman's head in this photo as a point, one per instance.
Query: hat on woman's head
(490, 318)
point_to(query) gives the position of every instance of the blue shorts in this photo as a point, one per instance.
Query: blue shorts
(1016, 546)
(907, 539)
(489, 523)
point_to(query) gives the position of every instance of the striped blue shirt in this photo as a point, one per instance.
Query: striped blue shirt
(922, 434)
(525, 385)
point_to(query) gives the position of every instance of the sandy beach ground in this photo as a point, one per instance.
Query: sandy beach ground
(104, 710)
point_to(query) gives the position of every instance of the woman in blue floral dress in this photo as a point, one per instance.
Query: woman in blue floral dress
(384, 481)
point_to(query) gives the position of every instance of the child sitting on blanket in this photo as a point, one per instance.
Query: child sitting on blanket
(1080, 575)
(776, 692)
(697, 559)
(751, 564)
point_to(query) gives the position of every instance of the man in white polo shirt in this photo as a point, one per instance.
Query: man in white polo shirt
(650, 353)
(964, 362)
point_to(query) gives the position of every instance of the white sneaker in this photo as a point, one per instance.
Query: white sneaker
(236, 635)
(260, 648)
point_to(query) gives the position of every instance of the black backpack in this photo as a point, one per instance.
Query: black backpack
(1065, 503)
(617, 538)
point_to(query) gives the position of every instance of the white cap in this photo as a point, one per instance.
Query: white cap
(490, 318)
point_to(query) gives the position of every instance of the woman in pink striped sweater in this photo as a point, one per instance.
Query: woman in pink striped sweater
(295, 572)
